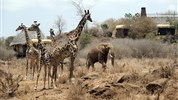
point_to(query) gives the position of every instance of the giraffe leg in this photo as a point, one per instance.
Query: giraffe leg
(38, 75)
(71, 76)
(52, 76)
(26, 67)
(61, 68)
(55, 76)
(32, 68)
(45, 73)
(49, 75)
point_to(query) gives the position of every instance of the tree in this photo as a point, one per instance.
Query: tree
(9, 40)
(59, 24)
(78, 5)
(171, 19)
(139, 27)
(104, 28)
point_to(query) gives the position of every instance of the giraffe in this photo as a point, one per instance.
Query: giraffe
(69, 50)
(32, 53)
(44, 55)
(52, 36)
(54, 45)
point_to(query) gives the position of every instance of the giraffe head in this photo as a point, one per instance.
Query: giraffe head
(87, 15)
(51, 31)
(21, 27)
(34, 26)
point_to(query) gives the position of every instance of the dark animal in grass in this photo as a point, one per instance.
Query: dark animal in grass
(100, 54)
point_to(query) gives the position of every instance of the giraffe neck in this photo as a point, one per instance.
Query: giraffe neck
(40, 46)
(53, 40)
(39, 38)
(81, 24)
(79, 28)
(27, 38)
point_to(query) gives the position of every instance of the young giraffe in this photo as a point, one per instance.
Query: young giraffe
(32, 54)
(52, 36)
(44, 58)
(54, 45)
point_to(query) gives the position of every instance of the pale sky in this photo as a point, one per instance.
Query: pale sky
(15, 12)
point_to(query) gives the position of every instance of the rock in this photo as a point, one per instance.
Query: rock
(157, 85)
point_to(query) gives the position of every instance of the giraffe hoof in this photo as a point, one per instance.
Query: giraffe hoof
(44, 88)
(35, 88)
(72, 80)
(55, 87)
(25, 78)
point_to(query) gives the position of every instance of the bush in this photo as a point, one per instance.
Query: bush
(141, 27)
(6, 54)
(143, 48)
(8, 41)
(84, 40)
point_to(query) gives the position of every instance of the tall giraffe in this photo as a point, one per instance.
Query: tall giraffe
(32, 54)
(68, 50)
(44, 55)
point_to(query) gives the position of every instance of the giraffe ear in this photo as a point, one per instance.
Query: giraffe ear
(38, 24)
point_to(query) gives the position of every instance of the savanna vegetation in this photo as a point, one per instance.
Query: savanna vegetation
(145, 67)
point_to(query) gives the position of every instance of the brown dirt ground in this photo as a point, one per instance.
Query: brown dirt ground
(129, 79)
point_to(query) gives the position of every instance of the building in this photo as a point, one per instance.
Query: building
(19, 42)
(121, 31)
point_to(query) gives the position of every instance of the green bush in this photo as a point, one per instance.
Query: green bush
(85, 39)
(141, 27)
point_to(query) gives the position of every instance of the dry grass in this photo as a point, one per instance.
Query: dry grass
(6, 54)
(127, 80)
(136, 74)
(76, 92)
(129, 48)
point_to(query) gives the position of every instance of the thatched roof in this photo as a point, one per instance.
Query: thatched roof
(121, 26)
(20, 38)
(165, 26)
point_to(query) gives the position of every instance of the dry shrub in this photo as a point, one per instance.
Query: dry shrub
(81, 71)
(8, 83)
(63, 79)
(76, 92)
(6, 54)
(166, 72)
(143, 48)
(141, 27)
